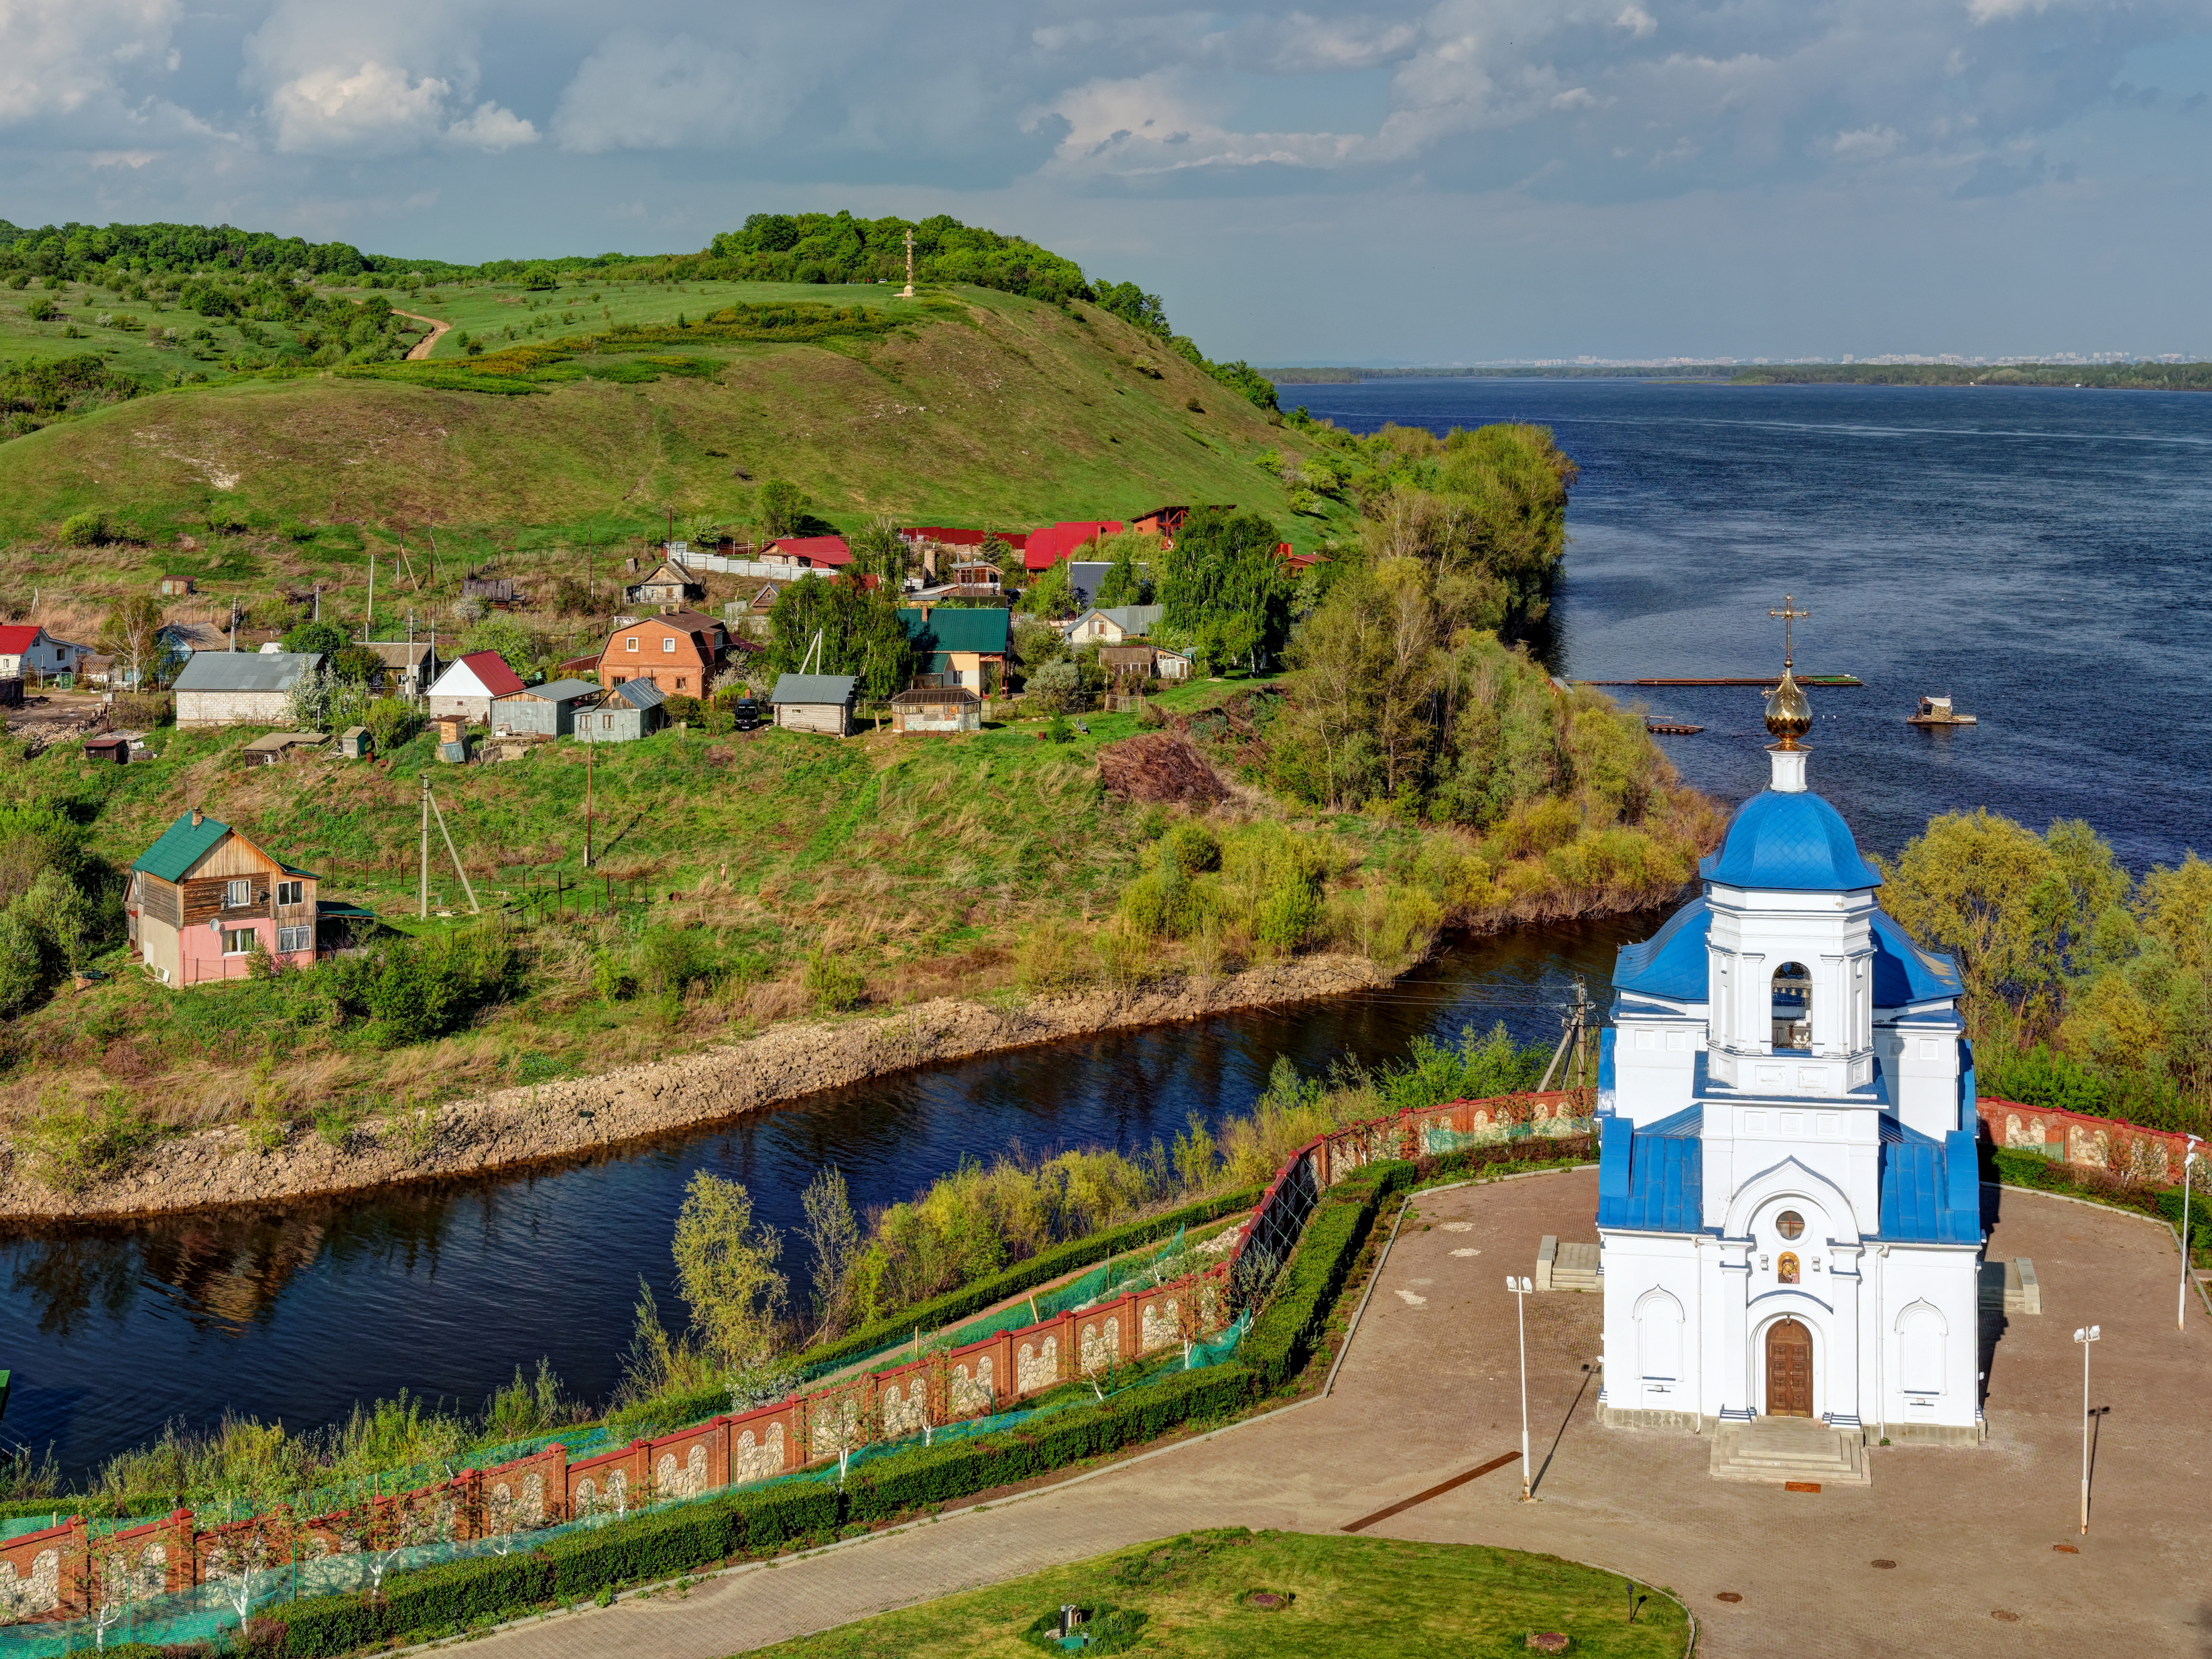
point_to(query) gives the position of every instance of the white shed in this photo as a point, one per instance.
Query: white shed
(469, 686)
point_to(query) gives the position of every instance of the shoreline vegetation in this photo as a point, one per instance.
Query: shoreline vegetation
(2114, 377)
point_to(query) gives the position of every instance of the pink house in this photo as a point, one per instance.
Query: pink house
(203, 895)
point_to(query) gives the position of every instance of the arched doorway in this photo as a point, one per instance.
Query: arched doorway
(1793, 1006)
(1789, 1370)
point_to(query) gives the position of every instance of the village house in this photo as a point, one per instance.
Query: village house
(468, 687)
(1045, 547)
(815, 702)
(547, 711)
(241, 688)
(203, 895)
(681, 652)
(938, 545)
(631, 711)
(807, 552)
(671, 583)
(1161, 521)
(960, 644)
(1114, 625)
(26, 649)
(409, 665)
(937, 709)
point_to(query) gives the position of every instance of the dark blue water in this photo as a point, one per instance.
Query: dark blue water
(2043, 554)
(2040, 555)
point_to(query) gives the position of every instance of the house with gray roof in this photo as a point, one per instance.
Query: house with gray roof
(627, 712)
(815, 702)
(1114, 624)
(549, 710)
(241, 688)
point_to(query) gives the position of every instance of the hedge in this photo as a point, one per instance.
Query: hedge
(2032, 1170)
(666, 1543)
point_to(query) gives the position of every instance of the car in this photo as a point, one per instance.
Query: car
(748, 714)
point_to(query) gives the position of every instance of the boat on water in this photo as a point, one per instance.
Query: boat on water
(1653, 723)
(1937, 711)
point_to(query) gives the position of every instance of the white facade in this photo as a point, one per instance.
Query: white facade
(1790, 1201)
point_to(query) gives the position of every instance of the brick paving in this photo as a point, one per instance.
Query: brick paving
(1429, 1391)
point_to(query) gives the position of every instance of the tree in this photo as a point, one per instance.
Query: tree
(726, 1269)
(879, 550)
(1224, 586)
(322, 638)
(1127, 582)
(861, 631)
(780, 505)
(833, 1238)
(357, 665)
(131, 634)
(503, 634)
(1052, 594)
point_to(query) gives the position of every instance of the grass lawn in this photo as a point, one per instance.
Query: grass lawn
(1348, 1598)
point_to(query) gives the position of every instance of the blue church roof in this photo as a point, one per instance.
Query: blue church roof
(1904, 973)
(1671, 963)
(1793, 842)
(1930, 1189)
(1651, 1181)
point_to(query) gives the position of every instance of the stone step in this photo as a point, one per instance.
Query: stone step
(2010, 1287)
(1778, 1450)
(1574, 1266)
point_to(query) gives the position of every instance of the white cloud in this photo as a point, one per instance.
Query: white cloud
(637, 93)
(61, 57)
(1158, 124)
(337, 81)
(491, 126)
(1638, 21)
(370, 109)
(1865, 144)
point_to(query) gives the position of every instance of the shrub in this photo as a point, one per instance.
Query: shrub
(391, 722)
(833, 985)
(88, 529)
(38, 308)
(72, 1145)
(325, 638)
(1193, 847)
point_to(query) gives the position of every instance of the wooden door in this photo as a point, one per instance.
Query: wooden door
(1789, 1370)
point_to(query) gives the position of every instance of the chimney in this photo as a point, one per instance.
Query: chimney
(196, 819)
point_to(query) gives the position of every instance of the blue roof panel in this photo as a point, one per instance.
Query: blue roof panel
(1791, 842)
(1931, 1189)
(1652, 1182)
(1671, 963)
(1904, 973)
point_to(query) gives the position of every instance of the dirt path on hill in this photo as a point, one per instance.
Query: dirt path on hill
(466, 1140)
(423, 347)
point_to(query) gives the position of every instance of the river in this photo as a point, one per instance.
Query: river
(2039, 554)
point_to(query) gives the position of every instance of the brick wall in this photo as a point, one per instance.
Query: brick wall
(2093, 1143)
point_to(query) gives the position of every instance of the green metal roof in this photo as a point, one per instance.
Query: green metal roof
(959, 628)
(184, 843)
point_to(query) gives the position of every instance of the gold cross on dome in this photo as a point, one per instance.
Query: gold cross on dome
(1788, 615)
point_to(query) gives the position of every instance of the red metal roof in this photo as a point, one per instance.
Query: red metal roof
(815, 549)
(491, 670)
(955, 537)
(1047, 547)
(14, 642)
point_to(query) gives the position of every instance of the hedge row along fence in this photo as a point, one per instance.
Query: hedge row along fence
(1328, 1194)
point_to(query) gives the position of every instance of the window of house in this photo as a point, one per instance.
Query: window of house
(629, 644)
(681, 682)
(296, 938)
(291, 893)
(237, 895)
(236, 942)
(668, 643)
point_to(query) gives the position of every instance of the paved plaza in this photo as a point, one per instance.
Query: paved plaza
(1429, 1391)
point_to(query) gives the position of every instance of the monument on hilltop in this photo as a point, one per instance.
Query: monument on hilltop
(1788, 1198)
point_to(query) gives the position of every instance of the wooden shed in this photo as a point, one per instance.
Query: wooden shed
(549, 710)
(355, 743)
(937, 709)
(815, 702)
(108, 751)
(627, 712)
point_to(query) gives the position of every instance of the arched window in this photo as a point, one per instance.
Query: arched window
(1920, 1349)
(1793, 1006)
(1659, 1338)
(1785, 1270)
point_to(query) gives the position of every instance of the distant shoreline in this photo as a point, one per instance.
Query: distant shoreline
(2107, 377)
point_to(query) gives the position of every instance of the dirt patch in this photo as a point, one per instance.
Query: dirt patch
(1159, 766)
(219, 1167)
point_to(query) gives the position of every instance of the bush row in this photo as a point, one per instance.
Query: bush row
(2019, 1169)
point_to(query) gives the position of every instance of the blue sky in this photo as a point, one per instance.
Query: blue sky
(1464, 180)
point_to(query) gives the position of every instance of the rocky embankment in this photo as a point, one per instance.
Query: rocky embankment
(214, 1168)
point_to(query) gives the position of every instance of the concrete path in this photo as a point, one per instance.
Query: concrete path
(1429, 1391)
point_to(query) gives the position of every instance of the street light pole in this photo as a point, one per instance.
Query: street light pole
(1520, 1288)
(2085, 1337)
(2181, 1299)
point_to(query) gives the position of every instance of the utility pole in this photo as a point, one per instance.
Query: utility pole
(422, 891)
(369, 628)
(590, 750)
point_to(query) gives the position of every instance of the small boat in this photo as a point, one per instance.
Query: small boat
(1670, 728)
(1937, 711)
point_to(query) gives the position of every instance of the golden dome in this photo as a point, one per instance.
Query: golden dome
(1789, 716)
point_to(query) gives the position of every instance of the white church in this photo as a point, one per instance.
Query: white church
(1788, 1205)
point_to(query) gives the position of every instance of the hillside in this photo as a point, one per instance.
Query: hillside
(985, 408)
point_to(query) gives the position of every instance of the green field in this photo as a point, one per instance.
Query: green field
(1338, 1598)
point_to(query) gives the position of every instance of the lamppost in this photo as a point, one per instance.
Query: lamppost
(2181, 1299)
(2085, 1337)
(1520, 1288)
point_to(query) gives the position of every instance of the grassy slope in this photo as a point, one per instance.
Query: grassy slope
(1019, 414)
(1350, 1597)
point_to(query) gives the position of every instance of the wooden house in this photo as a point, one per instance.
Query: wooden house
(1114, 625)
(547, 711)
(26, 649)
(960, 644)
(204, 894)
(937, 709)
(469, 685)
(409, 665)
(492, 590)
(631, 711)
(1162, 521)
(671, 583)
(815, 702)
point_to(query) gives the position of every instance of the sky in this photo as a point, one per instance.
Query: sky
(1471, 180)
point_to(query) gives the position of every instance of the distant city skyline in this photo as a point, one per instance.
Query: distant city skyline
(1325, 182)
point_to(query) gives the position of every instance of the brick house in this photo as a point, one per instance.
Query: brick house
(683, 653)
(203, 894)
(241, 688)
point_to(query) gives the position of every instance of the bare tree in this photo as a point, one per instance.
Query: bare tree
(833, 1237)
(249, 1556)
(841, 1421)
(131, 634)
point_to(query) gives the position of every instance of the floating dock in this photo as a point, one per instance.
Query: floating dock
(1672, 728)
(1764, 681)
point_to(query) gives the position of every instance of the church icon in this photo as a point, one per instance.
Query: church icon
(1789, 1191)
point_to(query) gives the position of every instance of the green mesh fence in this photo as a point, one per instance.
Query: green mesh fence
(214, 1612)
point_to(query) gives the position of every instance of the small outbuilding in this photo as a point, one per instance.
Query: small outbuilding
(281, 746)
(671, 583)
(469, 686)
(937, 709)
(108, 751)
(627, 712)
(240, 688)
(815, 702)
(549, 710)
(1171, 665)
(356, 743)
